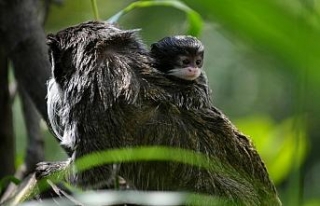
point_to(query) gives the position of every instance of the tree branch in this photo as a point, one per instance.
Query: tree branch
(24, 42)
(35, 144)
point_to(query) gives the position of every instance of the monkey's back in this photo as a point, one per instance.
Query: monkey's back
(237, 172)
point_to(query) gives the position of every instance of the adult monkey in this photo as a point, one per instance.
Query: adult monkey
(105, 94)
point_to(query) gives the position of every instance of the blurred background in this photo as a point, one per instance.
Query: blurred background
(261, 60)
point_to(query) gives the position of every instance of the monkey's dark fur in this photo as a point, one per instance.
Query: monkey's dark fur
(105, 94)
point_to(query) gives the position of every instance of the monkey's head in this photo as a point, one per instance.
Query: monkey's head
(179, 56)
(93, 65)
(77, 48)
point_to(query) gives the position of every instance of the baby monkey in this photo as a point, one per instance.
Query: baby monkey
(179, 57)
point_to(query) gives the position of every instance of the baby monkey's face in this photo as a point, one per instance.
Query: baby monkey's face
(187, 66)
(179, 56)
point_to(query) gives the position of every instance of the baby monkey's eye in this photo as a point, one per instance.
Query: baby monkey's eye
(186, 61)
(198, 62)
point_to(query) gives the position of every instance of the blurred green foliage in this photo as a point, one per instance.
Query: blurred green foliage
(282, 145)
(194, 19)
(261, 60)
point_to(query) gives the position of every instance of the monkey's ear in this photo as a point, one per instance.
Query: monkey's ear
(124, 36)
(125, 33)
(51, 38)
(52, 42)
(56, 59)
(119, 40)
(53, 47)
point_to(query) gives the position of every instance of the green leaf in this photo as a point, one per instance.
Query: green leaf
(157, 153)
(144, 154)
(194, 19)
(7, 179)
